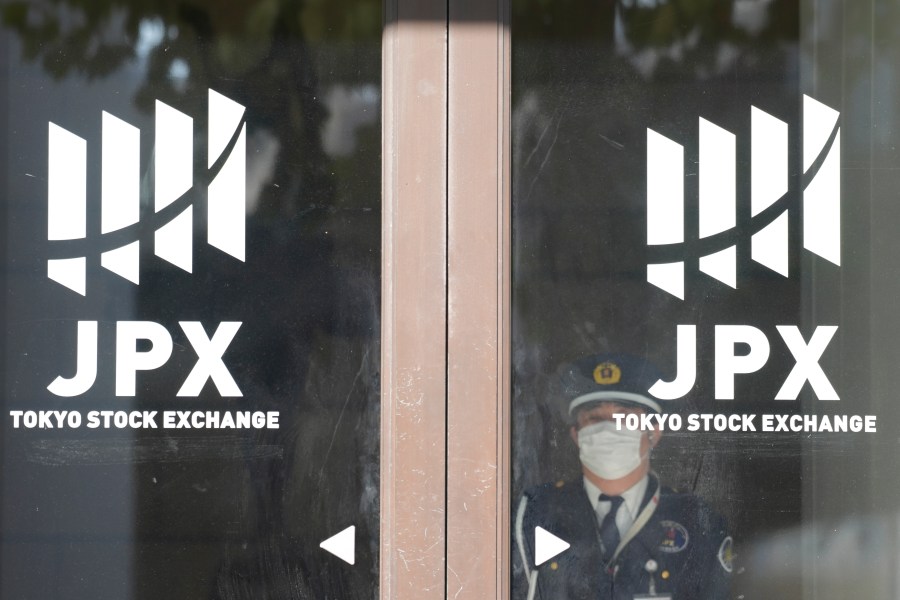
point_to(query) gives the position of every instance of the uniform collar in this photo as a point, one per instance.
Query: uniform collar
(633, 496)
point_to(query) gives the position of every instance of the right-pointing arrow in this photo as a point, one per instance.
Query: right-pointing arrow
(547, 545)
(342, 545)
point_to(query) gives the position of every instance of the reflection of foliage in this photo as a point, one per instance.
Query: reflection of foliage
(264, 54)
(666, 22)
(650, 21)
(66, 39)
(702, 37)
(566, 19)
(96, 36)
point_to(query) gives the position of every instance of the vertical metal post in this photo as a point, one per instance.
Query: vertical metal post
(478, 353)
(413, 442)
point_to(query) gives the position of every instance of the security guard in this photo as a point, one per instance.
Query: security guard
(630, 538)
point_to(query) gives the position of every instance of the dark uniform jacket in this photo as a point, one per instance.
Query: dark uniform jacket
(687, 541)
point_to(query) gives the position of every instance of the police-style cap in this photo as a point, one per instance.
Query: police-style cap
(620, 378)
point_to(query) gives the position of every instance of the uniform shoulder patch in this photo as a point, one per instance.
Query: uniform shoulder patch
(726, 554)
(675, 537)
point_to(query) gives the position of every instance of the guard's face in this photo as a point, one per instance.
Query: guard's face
(606, 411)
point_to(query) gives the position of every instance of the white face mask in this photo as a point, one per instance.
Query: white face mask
(610, 453)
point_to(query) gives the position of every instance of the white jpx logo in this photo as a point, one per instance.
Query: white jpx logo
(718, 229)
(120, 191)
(174, 219)
(768, 229)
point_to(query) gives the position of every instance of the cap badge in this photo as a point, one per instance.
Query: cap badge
(607, 373)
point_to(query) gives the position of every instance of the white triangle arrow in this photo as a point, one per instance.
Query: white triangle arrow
(342, 545)
(547, 545)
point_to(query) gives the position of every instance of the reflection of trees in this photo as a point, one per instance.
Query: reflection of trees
(242, 49)
(656, 21)
(97, 36)
(701, 37)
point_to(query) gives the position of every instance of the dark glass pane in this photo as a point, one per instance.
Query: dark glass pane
(720, 171)
(191, 197)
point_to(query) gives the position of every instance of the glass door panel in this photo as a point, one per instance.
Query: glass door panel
(191, 250)
(703, 206)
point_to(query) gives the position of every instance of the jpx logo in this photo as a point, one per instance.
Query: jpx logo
(130, 359)
(120, 192)
(173, 227)
(718, 229)
(730, 361)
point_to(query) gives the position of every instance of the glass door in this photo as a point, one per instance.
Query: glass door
(191, 221)
(702, 247)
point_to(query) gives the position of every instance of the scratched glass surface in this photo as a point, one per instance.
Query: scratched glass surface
(140, 511)
(813, 515)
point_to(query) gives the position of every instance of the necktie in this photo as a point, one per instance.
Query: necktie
(609, 533)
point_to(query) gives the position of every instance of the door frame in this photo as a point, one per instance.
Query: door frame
(445, 451)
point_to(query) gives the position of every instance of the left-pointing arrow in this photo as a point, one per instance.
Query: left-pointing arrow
(342, 545)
